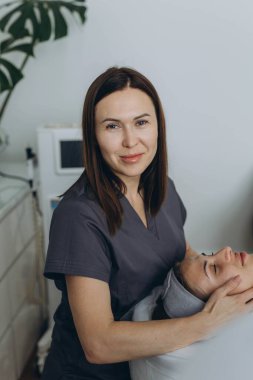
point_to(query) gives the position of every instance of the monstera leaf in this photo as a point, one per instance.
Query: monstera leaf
(28, 23)
(10, 75)
(41, 19)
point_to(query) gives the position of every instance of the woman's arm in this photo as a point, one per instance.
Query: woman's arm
(107, 341)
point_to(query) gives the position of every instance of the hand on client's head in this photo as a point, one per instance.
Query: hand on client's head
(202, 274)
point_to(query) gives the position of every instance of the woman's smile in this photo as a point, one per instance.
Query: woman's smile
(131, 159)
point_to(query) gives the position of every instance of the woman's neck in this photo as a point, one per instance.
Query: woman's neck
(136, 199)
(132, 187)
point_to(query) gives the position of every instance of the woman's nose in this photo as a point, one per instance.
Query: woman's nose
(129, 138)
(225, 254)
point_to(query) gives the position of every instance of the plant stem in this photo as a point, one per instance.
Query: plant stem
(6, 100)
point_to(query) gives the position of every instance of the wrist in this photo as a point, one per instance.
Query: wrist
(203, 324)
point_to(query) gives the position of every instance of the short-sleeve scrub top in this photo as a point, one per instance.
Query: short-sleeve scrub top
(133, 261)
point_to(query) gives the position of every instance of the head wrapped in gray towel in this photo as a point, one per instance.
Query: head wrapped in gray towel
(178, 301)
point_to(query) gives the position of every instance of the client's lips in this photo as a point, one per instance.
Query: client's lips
(244, 256)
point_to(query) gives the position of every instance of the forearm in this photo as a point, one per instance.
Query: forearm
(122, 341)
(107, 341)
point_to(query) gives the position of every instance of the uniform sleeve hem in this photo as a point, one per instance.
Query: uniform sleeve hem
(72, 269)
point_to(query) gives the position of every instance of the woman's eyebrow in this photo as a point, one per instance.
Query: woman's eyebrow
(110, 119)
(118, 121)
(142, 115)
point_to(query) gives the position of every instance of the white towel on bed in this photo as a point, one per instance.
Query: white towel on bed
(228, 355)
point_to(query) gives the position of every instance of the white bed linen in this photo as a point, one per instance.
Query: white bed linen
(227, 355)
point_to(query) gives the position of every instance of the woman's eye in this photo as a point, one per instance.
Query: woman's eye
(142, 122)
(112, 126)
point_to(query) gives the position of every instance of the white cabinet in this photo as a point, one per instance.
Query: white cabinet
(21, 315)
(5, 314)
(26, 329)
(7, 359)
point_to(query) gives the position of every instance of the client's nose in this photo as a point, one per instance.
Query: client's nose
(226, 253)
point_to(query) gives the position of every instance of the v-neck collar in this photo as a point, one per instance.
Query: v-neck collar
(151, 225)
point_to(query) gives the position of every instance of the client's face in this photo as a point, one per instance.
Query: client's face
(203, 274)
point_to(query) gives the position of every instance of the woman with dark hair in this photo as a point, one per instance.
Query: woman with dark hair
(114, 236)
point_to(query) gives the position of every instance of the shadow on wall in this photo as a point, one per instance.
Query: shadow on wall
(241, 204)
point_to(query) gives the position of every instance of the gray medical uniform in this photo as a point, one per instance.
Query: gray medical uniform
(133, 261)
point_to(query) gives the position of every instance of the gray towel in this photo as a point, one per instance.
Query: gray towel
(178, 301)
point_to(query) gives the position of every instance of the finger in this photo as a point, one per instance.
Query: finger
(246, 296)
(229, 286)
(249, 306)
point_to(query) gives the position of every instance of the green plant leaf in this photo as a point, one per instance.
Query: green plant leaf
(18, 27)
(10, 44)
(15, 74)
(4, 82)
(4, 21)
(72, 7)
(45, 23)
(35, 24)
(42, 27)
(6, 43)
(25, 48)
(61, 28)
(39, 20)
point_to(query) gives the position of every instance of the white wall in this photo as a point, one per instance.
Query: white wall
(199, 56)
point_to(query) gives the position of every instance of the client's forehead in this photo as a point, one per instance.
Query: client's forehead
(192, 269)
(193, 262)
(190, 266)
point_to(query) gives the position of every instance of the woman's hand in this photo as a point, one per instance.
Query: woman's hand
(107, 341)
(222, 307)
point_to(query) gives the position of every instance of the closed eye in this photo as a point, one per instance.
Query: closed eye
(205, 264)
(214, 266)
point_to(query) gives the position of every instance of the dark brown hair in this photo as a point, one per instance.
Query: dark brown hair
(102, 180)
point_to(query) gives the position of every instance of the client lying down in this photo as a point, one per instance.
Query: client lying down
(228, 354)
